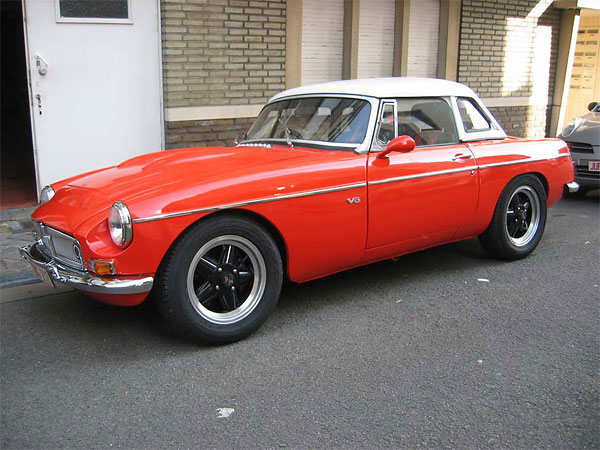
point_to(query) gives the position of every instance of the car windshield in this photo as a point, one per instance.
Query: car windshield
(320, 119)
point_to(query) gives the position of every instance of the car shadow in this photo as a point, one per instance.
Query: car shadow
(445, 259)
(112, 333)
(592, 196)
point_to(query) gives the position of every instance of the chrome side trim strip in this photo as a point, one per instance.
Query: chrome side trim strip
(250, 202)
(522, 161)
(422, 175)
(337, 189)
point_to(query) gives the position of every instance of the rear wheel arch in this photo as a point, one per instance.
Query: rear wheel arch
(543, 180)
(524, 200)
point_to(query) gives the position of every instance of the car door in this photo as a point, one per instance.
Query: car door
(425, 196)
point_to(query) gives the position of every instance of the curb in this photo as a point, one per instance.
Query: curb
(31, 292)
(17, 213)
(17, 276)
(20, 279)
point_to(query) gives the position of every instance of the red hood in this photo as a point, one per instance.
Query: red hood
(147, 183)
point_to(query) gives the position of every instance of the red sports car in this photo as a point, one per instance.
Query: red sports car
(329, 177)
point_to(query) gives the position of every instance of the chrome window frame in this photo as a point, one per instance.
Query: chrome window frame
(494, 132)
(474, 130)
(447, 99)
(375, 147)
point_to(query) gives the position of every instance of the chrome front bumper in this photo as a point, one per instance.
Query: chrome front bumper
(83, 281)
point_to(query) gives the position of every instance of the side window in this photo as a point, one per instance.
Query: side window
(472, 117)
(429, 121)
(387, 125)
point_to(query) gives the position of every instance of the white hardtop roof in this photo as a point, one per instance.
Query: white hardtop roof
(384, 88)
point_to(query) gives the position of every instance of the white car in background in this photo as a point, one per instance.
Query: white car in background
(582, 135)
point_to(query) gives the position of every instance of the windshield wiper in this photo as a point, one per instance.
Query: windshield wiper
(288, 133)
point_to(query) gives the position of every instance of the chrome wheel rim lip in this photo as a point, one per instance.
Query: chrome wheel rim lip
(258, 285)
(534, 219)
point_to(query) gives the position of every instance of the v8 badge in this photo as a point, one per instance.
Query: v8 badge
(355, 200)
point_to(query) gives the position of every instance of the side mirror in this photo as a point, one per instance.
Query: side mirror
(401, 144)
(592, 105)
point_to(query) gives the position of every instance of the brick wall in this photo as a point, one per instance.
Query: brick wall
(523, 120)
(509, 48)
(194, 133)
(220, 52)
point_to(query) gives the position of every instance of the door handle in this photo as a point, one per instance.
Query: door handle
(41, 64)
(461, 157)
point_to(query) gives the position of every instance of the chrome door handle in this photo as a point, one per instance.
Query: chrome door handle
(461, 157)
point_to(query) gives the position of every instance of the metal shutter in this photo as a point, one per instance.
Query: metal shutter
(376, 38)
(322, 40)
(423, 31)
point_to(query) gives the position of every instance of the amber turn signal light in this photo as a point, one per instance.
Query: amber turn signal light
(101, 267)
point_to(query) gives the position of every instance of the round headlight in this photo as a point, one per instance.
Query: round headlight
(46, 194)
(572, 126)
(120, 225)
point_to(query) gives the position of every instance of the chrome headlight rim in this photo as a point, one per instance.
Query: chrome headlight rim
(46, 194)
(120, 225)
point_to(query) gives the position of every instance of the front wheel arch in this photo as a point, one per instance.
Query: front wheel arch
(242, 214)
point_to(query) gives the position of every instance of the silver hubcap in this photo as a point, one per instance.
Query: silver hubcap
(523, 216)
(226, 279)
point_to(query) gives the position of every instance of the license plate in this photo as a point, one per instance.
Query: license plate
(594, 166)
(43, 275)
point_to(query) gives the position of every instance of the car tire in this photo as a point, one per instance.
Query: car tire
(220, 280)
(519, 219)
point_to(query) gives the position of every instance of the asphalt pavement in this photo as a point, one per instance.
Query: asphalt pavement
(442, 348)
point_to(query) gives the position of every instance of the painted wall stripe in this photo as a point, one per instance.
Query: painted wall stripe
(212, 112)
(505, 102)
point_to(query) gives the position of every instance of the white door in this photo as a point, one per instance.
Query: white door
(94, 68)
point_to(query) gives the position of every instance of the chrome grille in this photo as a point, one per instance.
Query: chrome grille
(59, 246)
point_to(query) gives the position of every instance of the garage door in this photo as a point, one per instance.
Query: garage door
(376, 38)
(423, 31)
(322, 40)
